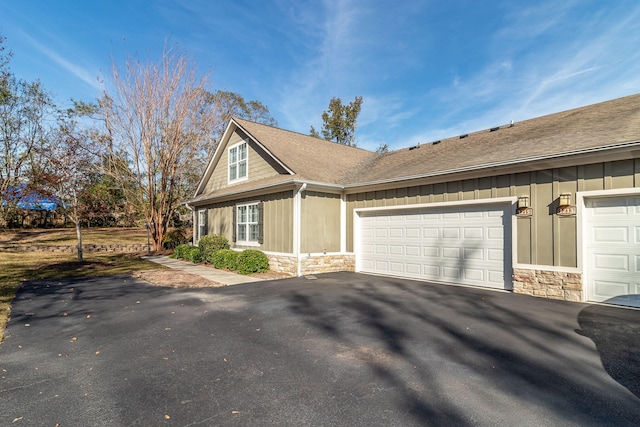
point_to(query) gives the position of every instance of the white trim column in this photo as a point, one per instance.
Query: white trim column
(297, 226)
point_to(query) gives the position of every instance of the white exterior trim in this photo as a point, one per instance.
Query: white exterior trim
(581, 231)
(297, 225)
(343, 223)
(246, 176)
(357, 221)
(553, 268)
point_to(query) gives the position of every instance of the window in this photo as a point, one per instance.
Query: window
(238, 162)
(248, 224)
(202, 223)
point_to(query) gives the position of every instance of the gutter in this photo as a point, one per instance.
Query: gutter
(505, 163)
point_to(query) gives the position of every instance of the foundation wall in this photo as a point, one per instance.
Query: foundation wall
(548, 284)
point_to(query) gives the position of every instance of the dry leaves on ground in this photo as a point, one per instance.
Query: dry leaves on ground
(175, 279)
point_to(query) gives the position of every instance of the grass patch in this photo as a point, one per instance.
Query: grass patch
(18, 267)
(67, 236)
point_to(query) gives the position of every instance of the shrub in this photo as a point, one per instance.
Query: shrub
(225, 258)
(193, 254)
(209, 245)
(252, 261)
(174, 238)
(180, 250)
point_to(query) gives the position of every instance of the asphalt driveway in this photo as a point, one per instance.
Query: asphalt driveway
(344, 349)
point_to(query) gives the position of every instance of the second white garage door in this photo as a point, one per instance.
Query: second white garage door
(612, 245)
(467, 244)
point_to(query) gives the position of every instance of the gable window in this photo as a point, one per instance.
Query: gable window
(248, 224)
(202, 223)
(238, 162)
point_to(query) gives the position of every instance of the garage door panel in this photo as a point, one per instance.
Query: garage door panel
(413, 269)
(612, 250)
(605, 234)
(495, 255)
(473, 215)
(412, 233)
(473, 233)
(396, 250)
(611, 262)
(430, 233)
(431, 251)
(450, 233)
(457, 244)
(476, 275)
(451, 273)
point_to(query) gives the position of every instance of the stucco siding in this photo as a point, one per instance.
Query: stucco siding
(543, 239)
(320, 214)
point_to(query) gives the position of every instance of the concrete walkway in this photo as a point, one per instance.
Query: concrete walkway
(208, 273)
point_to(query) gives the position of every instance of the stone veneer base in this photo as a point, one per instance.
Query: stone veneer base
(311, 264)
(548, 284)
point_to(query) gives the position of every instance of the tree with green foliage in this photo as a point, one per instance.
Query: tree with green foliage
(339, 122)
(26, 114)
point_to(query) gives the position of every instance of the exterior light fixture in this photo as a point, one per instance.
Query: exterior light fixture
(564, 205)
(523, 210)
(523, 202)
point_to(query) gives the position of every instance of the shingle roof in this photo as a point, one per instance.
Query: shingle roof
(309, 158)
(602, 125)
(599, 125)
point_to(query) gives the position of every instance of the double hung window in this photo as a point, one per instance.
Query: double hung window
(247, 223)
(238, 162)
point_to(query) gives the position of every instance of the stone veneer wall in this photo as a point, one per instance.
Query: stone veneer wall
(312, 264)
(549, 284)
(73, 248)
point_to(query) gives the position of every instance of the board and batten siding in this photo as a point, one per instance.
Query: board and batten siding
(277, 221)
(260, 165)
(320, 222)
(543, 239)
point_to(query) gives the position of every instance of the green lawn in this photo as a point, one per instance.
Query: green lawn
(67, 236)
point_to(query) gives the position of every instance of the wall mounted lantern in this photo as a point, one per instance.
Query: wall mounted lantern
(523, 210)
(564, 205)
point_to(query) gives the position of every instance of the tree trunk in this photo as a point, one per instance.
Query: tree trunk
(79, 234)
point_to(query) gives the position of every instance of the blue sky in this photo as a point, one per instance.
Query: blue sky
(426, 69)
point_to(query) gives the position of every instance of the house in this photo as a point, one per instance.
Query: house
(547, 207)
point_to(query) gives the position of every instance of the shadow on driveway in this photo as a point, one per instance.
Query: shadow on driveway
(616, 333)
(345, 349)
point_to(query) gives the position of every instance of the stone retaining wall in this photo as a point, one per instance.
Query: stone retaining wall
(311, 264)
(548, 284)
(73, 248)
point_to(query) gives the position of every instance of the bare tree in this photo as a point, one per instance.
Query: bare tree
(70, 159)
(157, 118)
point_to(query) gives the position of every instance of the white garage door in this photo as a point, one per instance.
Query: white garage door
(613, 250)
(468, 244)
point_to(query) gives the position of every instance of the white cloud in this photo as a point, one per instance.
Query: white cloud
(82, 73)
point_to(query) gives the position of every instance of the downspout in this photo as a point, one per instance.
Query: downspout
(297, 227)
(193, 222)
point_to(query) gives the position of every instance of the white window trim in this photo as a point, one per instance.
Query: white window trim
(244, 178)
(245, 242)
(201, 213)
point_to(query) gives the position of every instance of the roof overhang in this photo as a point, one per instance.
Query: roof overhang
(623, 151)
(260, 189)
